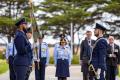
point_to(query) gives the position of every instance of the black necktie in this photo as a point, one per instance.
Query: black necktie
(89, 42)
(40, 51)
(36, 52)
(13, 51)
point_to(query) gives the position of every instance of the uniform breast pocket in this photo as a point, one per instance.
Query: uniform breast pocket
(60, 52)
(43, 50)
(66, 55)
(10, 49)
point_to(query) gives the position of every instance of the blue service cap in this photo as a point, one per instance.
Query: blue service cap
(21, 21)
(101, 27)
(62, 35)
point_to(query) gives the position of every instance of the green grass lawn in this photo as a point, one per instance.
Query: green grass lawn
(75, 59)
(3, 66)
(119, 72)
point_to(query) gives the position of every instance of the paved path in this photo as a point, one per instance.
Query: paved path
(50, 73)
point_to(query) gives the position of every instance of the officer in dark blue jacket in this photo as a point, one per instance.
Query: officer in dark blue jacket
(99, 53)
(22, 59)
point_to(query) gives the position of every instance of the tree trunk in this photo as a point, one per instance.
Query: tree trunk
(78, 45)
(73, 38)
(9, 38)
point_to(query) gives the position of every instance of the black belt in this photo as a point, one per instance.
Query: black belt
(62, 59)
(43, 58)
(11, 56)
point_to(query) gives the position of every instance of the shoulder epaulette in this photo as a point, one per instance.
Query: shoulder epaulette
(45, 43)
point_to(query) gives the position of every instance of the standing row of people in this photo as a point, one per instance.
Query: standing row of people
(104, 57)
(21, 55)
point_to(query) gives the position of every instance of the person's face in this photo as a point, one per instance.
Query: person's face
(29, 35)
(96, 32)
(89, 34)
(24, 26)
(63, 43)
(111, 39)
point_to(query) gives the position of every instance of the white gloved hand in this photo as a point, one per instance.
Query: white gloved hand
(81, 62)
(110, 55)
(98, 73)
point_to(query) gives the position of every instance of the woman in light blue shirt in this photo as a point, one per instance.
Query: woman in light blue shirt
(62, 59)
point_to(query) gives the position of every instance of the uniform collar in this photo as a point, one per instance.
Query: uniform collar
(62, 46)
(99, 38)
(21, 31)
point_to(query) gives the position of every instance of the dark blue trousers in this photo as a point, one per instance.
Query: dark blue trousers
(111, 72)
(20, 72)
(40, 70)
(28, 73)
(11, 68)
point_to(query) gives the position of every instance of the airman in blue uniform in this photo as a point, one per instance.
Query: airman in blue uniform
(23, 47)
(41, 59)
(10, 55)
(98, 59)
(62, 59)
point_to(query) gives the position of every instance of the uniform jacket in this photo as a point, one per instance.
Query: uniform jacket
(99, 54)
(62, 53)
(9, 50)
(23, 48)
(44, 51)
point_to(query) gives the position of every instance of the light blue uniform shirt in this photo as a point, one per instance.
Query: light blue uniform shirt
(44, 52)
(62, 53)
(9, 50)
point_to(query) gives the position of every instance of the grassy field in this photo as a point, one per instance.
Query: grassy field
(3, 66)
(75, 60)
(119, 72)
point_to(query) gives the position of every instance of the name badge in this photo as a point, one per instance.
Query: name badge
(60, 52)
(43, 49)
(116, 50)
